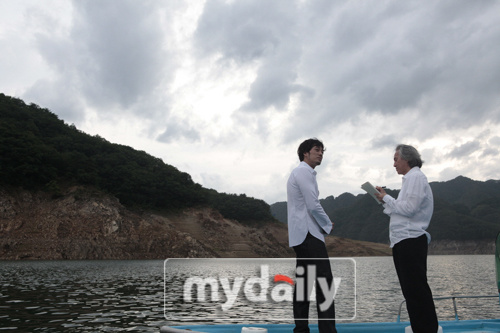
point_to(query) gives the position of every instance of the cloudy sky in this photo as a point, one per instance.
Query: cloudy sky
(227, 90)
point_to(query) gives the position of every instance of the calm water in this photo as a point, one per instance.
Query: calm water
(112, 296)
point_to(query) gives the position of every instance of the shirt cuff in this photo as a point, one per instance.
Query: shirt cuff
(326, 230)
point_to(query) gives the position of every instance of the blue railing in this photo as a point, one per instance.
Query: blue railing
(453, 298)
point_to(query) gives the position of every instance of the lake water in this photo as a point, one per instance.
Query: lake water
(113, 296)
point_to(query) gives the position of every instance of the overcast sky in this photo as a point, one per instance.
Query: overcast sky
(227, 90)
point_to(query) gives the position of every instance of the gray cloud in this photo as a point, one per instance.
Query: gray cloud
(384, 141)
(411, 55)
(243, 30)
(178, 129)
(339, 59)
(490, 152)
(123, 58)
(112, 57)
(353, 57)
(465, 150)
(495, 141)
(264, 32)
(273, 88)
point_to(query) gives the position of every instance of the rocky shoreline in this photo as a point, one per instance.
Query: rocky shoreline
(85, 224)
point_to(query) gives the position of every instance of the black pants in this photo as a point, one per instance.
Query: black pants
(410, 260)
(312, 248)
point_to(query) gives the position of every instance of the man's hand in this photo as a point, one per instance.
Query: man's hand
(382, 194)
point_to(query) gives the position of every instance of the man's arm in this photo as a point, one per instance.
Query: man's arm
(411, 203)
(308, 187)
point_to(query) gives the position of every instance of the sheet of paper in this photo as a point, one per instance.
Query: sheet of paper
(371, 190)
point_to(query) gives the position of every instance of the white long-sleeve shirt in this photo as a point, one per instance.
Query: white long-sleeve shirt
(410, 214)
(305, 213)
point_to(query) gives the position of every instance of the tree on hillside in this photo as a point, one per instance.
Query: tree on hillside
(38, 151)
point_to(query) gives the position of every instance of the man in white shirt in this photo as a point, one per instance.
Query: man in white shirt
(410, 215)
(307, 226)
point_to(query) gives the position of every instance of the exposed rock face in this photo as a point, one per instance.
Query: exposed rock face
(79, 225)
(86, 224)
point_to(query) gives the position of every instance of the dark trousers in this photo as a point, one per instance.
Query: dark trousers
(312, 248)
(410, 260)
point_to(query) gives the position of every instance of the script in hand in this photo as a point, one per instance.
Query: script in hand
(371, 190)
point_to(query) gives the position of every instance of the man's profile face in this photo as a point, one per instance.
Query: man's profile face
(314, 156)
(402, 166)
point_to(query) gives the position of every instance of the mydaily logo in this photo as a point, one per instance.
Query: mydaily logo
(279, 292)
(220, 288)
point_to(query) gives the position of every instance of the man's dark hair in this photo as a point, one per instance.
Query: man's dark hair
(307, 145)
(410, 154)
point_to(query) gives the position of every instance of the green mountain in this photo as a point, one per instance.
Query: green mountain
(464, 209)
(38, 151)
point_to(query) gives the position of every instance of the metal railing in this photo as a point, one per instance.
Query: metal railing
(453, 298)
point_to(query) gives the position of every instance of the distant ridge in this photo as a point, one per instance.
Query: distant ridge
(465, 210)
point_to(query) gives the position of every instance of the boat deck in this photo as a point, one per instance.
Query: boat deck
(462, 326)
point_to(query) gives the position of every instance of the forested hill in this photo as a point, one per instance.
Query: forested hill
(39, 151)
(464, 209)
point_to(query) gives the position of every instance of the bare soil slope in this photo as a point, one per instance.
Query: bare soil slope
(87, 224)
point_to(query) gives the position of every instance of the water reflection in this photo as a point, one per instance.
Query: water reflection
(112, 296)
(380, 295)
(83, 296)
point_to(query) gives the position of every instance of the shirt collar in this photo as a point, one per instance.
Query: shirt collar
(308, 167)
(412, 170)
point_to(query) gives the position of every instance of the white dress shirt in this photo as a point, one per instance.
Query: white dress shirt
(305, 213)
(410, 214)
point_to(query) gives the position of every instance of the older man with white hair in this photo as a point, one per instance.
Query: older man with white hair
(410, 215)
